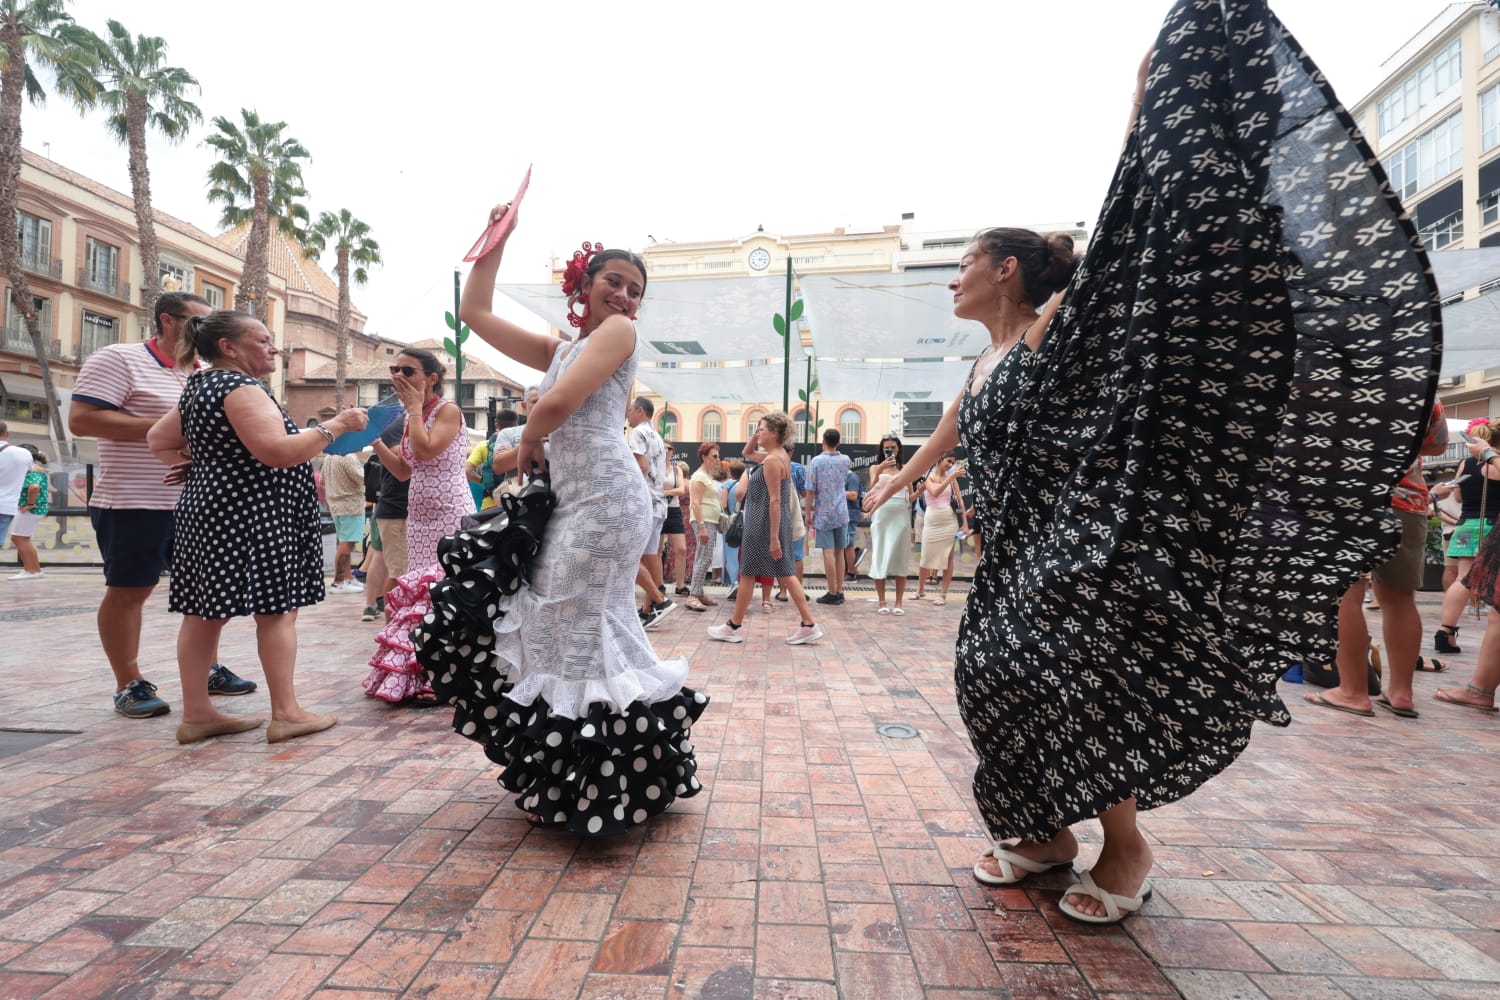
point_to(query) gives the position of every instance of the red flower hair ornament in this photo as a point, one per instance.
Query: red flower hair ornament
(572, 284)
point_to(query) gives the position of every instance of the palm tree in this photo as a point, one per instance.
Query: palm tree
(258, 181)
(352, 244)
(36, 33)
(140, 93)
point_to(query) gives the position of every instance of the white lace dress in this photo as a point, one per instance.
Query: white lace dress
(590, 724)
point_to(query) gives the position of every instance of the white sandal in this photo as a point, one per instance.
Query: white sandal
(1116, 907)
(882, 610)
(1013, 867)
(898, 611)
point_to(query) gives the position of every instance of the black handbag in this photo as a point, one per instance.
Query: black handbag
(736, 532)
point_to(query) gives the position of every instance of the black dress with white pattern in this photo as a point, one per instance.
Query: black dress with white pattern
(1198, 461)
(247, 538)
(755, 546)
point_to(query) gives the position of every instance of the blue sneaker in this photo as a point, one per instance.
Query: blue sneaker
(222, 680)
(138, 700)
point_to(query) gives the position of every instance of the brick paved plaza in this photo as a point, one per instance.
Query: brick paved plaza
(1343, 857)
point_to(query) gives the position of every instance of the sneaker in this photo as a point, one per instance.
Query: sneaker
(828, 599)
(359, 574)
(733, 593)
(346, 587)
(380, 604)
(726, 633)
(222, 680)
(138, 700)
(652, 619)
(370, 614)
(804, 635)
(23, 575)
(840, 597)
(682, 592)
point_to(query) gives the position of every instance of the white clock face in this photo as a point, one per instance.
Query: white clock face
(759, 260)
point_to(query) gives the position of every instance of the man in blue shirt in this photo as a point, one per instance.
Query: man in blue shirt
(828, 512)
(854, 495)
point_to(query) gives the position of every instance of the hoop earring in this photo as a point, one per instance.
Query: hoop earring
(577, 319)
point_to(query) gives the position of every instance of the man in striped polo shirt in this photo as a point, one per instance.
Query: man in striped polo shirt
(121, 391)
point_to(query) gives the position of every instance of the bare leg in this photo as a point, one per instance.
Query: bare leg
(1063, 847)
(29, 561)
(120, 632)
(833, 570)
(677, 545)
(197, 650)
(1353, 659)
(1124, 862)
(743, 593)
(1450, 573)
(948, 574)
(343, 562)
(799, 599)
(276, 641)
(921, 582)
(652, 582)
(880, 592)
(1401, 624)
(900, 590)
(1480, 690)
(374, 576)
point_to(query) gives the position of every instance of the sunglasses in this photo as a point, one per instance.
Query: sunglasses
(407, 370)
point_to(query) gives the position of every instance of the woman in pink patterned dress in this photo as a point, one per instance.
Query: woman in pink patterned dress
(433, 450)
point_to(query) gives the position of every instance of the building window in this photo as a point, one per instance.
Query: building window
(468, 390)
(752, 421)
(801, 425)
(1429, 157)
(1422, 87)
(36, 243)
(668, 426)
(101, 266)
(1444, 232)
(98, 331)
(384, 390)
(850, 426)
(174, 277)
(18, 408)
(713, 427)
(16, 337)
(215, 295)
(1489, 209)
(920, 419)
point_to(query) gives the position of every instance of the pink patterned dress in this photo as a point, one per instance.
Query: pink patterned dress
(438, 498)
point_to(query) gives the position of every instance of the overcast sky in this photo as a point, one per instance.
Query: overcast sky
(675, 120)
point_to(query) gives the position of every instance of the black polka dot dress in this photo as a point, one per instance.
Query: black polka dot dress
(1180, 484)
(247, 538)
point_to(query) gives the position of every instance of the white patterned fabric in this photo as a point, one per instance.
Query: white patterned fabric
(1177, 488)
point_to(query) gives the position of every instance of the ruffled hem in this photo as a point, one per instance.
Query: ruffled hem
(395, 675)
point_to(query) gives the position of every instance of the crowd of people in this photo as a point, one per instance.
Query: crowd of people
(1155, 552)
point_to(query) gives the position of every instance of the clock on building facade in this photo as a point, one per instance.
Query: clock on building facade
(760, 259)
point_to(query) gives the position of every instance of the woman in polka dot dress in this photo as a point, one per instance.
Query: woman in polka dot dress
(247, 539)
(564, 690)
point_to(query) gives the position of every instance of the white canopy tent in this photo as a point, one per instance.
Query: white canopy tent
(1456, 270)
(755, 383)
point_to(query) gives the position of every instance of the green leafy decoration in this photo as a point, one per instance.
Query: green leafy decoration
(450, 346)
(448, 318)
(802, 395)
(796, 310)
(779, 324)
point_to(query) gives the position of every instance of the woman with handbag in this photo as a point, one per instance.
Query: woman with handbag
(705, 512)
(590, 726)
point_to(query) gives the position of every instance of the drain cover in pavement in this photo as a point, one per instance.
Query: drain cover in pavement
(897, 731)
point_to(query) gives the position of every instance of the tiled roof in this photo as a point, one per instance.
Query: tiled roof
(46, 166)
(288, 262)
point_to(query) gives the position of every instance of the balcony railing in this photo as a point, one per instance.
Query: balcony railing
(1491, 52)
(18, 341)
(105, 284)
(38, 263)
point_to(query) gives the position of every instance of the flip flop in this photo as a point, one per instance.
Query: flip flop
(1405, 713)
(1013, 867)
(1318, 699)
(1116, 907)
(1431, 665)
(1441, 694)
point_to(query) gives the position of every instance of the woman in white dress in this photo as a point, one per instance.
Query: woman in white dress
(590, 725)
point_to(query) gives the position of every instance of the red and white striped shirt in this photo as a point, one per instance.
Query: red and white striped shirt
(141, 381)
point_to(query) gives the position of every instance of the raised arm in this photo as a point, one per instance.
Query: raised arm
(261, 427)
(476, 308)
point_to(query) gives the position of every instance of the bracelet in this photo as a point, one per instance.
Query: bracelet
(324, 431)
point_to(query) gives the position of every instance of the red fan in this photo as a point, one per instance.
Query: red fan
(500, 228)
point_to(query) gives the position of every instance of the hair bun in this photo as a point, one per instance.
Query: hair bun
(1061, 263)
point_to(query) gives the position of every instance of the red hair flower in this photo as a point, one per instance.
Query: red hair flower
(1477, 422)
(572, 285)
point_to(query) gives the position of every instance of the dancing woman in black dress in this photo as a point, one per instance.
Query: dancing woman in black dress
(1162, 469)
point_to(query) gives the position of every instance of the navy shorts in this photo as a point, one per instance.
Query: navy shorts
(136, 544)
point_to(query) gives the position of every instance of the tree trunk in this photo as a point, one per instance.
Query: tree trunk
(140, 192)
(256, 277)
(341, 363)
(12, 84)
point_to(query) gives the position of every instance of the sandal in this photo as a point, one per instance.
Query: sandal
(1013, 867)
(898, 611)
(767, 606)
(1441, 694)
(1431, 665)
(939, 602)
(882, 610)
(1116, 907)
